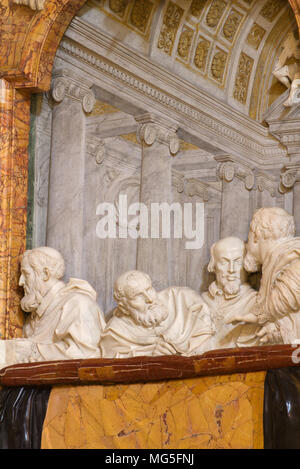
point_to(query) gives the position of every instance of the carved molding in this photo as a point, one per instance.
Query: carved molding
(288, 179)
(33, 4)
(265, 183)
(192, 187)
(96, 149)
(63, 86)
(228, 171)
(252, 140)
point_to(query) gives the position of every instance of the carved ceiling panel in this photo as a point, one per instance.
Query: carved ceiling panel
(220, 46)
(137, 15)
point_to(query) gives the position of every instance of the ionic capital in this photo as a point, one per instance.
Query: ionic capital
(96, 149)
(75, 88)
(265, 182)
(288, 179)
(230, 170)
(156, 129)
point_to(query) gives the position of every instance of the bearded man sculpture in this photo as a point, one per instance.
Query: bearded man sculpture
(272, 246)
(145, 322)
(65, 321)
(230, 293)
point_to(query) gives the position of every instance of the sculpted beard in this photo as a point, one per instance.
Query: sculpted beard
(32, 298)
(154, 315)
(232, 287)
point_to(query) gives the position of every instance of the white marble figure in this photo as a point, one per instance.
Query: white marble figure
(289, 73)
(273, 246)
(229, 294)
(65, 321)
(145, 322)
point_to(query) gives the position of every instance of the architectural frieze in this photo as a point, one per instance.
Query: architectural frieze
(250, 141)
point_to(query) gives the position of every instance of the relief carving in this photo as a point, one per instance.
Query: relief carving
(288, 179)
(64, 321)
(271, 10)
(228, 171)
(185, 42)
(197, 7)
(33, 4)
(231, 25)
(242, 78)
(169, 28)
(64, 86)
(201, 54)
(140, 14)
(255, 36)
(150, 133)
(287, 68)
(218, 65)
(274, 249)
(118, 6)
(215, 13)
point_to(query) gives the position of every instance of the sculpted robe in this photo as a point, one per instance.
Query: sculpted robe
(221, 306)
(186, 331)
(67, 325)
(279, 295)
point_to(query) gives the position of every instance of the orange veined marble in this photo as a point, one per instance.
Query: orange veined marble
(216, 412)
(28, 42)
(14, 135)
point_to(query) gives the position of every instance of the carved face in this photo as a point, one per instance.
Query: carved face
(229, 254)
(141, 302)
(32, 285)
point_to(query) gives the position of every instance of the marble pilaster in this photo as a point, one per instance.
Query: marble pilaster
(65, 226)
(290, 180)
(159, 143)
(237, 182)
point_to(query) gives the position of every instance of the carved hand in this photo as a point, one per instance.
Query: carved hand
(270, 334)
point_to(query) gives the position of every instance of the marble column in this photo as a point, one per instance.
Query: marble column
(237, 182)
(14, 138)
(159, 142)
(65, 224)
(290, 180)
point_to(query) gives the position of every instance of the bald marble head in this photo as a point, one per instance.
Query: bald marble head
(226, 262)
(41, 269)
(137, 298)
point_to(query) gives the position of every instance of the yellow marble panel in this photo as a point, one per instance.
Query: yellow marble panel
(210, 412)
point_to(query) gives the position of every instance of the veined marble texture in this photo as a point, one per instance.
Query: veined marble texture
(220, 412)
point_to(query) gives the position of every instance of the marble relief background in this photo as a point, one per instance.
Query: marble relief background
(214, 47)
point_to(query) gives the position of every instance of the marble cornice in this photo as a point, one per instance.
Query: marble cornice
(196, 112)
